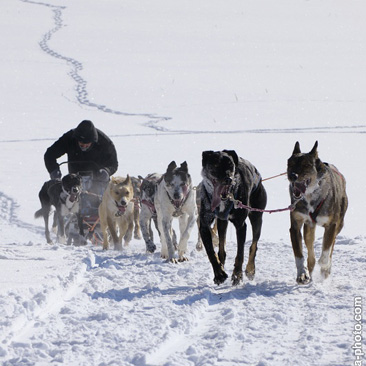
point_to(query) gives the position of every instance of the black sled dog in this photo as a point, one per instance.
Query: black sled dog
(64, 196)
(225, 173)
(319, 192)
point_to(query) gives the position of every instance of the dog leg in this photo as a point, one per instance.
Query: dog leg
(215, 238)
(113, 232)
(128, 236)
(325, 260)
(221, 227)
(47, 231)
(241, 231)
(147, 233)
(186, 223)
(61, 237)
(218, 268)
(309, 237)
(199, 244)
(80, 224)
(303, 276)
(164, 231)
(54, 223)
(136, 219)
(256, 222)
(104, 230)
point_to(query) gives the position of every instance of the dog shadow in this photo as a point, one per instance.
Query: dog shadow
(215, 295)
(212, 295)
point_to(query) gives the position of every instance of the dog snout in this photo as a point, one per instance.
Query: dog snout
(177, 195)
(123, 202)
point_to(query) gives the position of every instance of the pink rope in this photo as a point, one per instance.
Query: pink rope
(238, 204)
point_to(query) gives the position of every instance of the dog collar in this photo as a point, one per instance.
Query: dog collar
(178, 209)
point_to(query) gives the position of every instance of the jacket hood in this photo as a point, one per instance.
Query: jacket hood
(86, 132)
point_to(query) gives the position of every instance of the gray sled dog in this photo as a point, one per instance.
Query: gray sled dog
(148, 211)
(319, 192)
(175, 198)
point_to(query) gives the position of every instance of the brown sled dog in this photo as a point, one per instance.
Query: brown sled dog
(318, 191)
(116, 211)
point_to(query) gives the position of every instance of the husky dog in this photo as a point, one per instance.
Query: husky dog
(175, 197)
(225, 173)
(64, 196)
(136, 182)
(319, 192)
(148, 211)
(117, 211)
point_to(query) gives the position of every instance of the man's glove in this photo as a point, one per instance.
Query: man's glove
(56, 174)
(103, 175)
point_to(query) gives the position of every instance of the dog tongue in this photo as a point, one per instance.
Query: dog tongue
(121, 209)
(299, 189)
(216, 197)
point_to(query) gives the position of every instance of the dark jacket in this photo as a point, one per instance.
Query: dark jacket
(102, 154)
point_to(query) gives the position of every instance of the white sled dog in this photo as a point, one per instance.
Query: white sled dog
(175, 197)
(116, 211)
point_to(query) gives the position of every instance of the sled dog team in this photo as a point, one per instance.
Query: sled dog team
(317, 191)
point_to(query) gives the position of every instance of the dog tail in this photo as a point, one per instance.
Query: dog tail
(38, 213)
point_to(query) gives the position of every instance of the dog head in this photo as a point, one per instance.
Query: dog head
(71, 185)
(303, 170)
(121, 191)
(136, 183)
(148, 187)
(177, 182)
(218, 172)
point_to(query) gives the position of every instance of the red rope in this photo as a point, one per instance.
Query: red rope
(275, 176)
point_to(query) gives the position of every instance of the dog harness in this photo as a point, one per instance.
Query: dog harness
(178, 210)
(314, 215)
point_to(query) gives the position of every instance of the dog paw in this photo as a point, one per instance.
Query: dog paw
(137, 236)
(325, 272)
(220, 278)
(62, 239)
(303, 279)
(250, 274)
(199, 246)
(150, 247)
(236, 278)
(118, 247)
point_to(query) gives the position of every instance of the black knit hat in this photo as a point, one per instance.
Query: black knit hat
(86, 132)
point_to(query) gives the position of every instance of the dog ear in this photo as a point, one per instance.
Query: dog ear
(234, 155)
(128, 180)
(314, 151)
(184, 167)
(205, 156)
(296, 148)
(171, 166)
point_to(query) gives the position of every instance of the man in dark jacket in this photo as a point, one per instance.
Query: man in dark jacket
(87, 149)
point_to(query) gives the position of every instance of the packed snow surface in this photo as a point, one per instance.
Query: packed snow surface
(167, 80)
